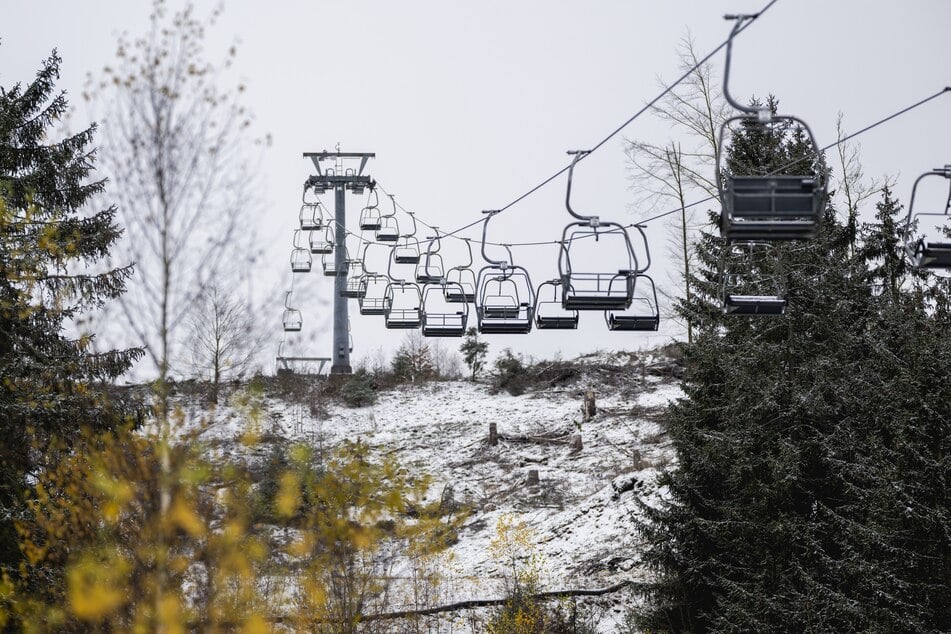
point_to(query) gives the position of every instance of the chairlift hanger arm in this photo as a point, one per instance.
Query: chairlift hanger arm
(502, 264)
(578, 155)
(938, 171)
(412, 217)
(763, 113)
(389, 266)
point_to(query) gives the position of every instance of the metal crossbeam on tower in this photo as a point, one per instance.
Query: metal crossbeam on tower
(346, 173)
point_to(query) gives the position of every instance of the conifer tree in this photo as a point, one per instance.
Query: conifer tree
(785, 510)
(49, 250)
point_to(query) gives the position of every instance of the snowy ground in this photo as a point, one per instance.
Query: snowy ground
(581, 522)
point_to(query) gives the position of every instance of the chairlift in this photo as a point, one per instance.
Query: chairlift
(430, 269)
(752, 291)
(402, 305)
(461, 281)
(354, 288)
(407, 247)
(767, 206)
(292, 317)
(925, 252)
(587, 239)
(370, 216)
(300, 257)
(329, 263)
(321, 241)
(373, 298)
(311, 216)
(389, 230)
(644, 312)
(549, 313)
(440, 317)
(505, 297)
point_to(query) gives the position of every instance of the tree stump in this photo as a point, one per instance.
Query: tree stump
(532, 477)
(493, 434)
(576, 444)
(588, 407)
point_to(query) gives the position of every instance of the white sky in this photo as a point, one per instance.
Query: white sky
(468, 105)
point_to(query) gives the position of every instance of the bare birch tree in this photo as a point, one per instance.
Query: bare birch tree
(684, 165)
(222, 341)
(177, 148)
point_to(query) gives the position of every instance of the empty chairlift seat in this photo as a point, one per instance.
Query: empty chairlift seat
(402, 306)
(291, 318)
(370, 215)
(321, 241)
(777, 199)
(753, 285)
(643, 315)
(373, 300)
(440, 317)
(754, 305)
(504, 305)
(550, 314)
(931, 250)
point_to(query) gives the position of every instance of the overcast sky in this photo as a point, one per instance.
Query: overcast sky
(468, 105)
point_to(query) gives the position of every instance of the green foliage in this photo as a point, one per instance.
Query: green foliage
(49, 243)
(359, 390)
(812, 490)
(510, 374)
(413, 362)
(474, 352)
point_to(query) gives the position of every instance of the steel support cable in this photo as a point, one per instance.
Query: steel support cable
(597, 146)
(695, 203)
(848, 137)
(630, 120)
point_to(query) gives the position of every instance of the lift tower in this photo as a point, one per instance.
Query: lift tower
(345, 172)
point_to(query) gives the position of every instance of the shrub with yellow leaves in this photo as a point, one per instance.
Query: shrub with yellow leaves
(100, 552)
(135, 531)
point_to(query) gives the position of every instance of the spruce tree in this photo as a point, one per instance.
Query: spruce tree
(812, 478)
(50, 248)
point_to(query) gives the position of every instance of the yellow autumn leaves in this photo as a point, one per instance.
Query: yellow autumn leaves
(104, 550)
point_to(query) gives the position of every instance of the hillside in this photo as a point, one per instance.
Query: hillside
(580, 511)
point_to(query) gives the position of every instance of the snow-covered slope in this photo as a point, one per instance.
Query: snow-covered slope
(580, 512)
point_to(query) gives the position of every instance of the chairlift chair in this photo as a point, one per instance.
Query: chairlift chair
(310, 216)
(461, 281)
(402, 306)
(389, 230)
(300, 257)
(355, 287)
(321, 241)
(766, 207)
(370, 216)
(329, 263)
(750, 291)
(505, 297)
(599, 290)
(440, 318)
(925, 252)
(644, 312)
(549, 313)
(430, 269)
(373, 299)
(407, 247)
(292, 317)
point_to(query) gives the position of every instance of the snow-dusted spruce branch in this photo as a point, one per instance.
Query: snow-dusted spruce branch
(470, 604)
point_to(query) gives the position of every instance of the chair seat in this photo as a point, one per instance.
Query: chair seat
(754, 305)
(641, 323)
(596, 301)
(509, 327)
(932, 255)
(560, 322)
